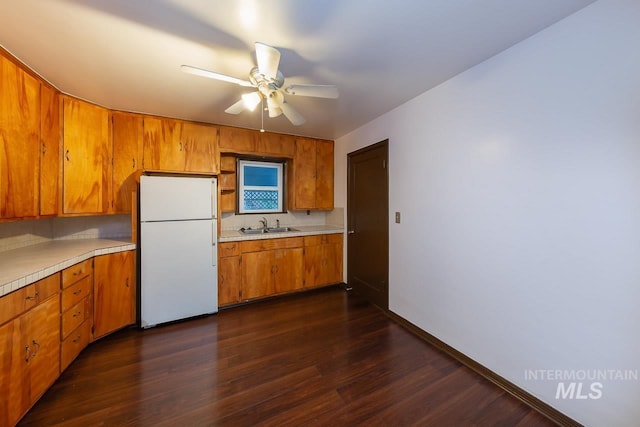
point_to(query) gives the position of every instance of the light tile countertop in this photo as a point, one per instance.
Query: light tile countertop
(303, 230)
(23, 266)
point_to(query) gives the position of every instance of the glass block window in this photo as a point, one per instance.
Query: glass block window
(260, 186)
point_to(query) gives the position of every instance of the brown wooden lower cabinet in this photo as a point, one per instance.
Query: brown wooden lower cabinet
(45, 325)
(29, 351)
(256, 269)
(113, 292)
(322, 260)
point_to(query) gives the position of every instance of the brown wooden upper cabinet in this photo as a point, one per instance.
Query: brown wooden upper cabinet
(311, 175)
(86, 158)
(253, 142)
(126, 131)
(178, 146)
(19, 142)
(49, 150)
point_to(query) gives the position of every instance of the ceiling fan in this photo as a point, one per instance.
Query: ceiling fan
(269, 82)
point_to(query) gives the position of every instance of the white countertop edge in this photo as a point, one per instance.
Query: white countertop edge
(308, 230)
(23, 266)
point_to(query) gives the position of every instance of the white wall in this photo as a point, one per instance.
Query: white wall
(519, 187)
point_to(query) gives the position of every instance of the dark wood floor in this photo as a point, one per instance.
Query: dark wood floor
(321, 358)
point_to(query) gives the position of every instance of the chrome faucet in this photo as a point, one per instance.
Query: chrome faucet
(264, 223)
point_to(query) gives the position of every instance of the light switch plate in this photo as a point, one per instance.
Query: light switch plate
(397, 217)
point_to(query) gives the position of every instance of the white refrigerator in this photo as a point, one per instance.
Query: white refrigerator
(178, 248)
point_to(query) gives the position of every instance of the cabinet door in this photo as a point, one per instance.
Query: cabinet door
(229, 280)
(304, 174)
(276, 144)
(200, 143)
(19, 142)
(126, 131)
(257, 274)
(113, 293)
(162, 147)
(237, 140)
(49, 150)
(324, 175)
(323, 261)
(43, 339)
(87, 157)
(14, 374)
(289, 269)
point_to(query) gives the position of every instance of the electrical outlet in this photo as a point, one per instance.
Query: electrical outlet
(397, 217)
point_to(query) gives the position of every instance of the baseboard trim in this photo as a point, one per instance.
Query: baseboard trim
(527, 398)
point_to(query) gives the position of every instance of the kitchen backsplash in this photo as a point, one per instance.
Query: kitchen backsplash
(14, 235)
(230, 221)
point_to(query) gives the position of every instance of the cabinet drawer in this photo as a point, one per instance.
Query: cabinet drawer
(76, 272)
(73, 317)
(322, 239)
(21, 300)
(228, 249)
(48, 286)
(269, 244)
(72, 295)
(74, 343)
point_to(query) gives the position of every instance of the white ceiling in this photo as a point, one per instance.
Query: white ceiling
(125, 54)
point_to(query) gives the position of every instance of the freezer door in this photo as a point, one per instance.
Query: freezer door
(179, 277)
(176, 198)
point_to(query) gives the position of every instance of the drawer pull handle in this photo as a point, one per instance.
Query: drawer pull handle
(26, 353)
(77, 292)
(76, 314)
(76, 339)
(29, 298)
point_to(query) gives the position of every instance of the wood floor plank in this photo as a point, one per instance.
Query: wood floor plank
(322, 358)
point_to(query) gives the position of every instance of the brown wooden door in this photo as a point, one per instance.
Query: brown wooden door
(304, 174)
(257, 274)
(237, 140)
(126, 131)
(14, 374)
(49, 150)
(229, 280)
(200, 143)
(324, 175)
(288, 269)
(43, 339)
(162, 147)
(87, 158)
(113, 293)
(367, 223)
(19, 142)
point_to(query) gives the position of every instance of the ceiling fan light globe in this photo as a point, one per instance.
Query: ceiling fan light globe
(251, 100)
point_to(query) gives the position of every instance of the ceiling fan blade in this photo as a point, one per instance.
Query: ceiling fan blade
(292, 114)
(210, 74)
(318, 91)
(236, 108)
(268, 60)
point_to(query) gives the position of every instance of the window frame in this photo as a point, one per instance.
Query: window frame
(279, 165)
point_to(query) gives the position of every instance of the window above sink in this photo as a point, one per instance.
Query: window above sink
(260, 186)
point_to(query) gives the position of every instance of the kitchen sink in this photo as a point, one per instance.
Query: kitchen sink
(252, 230)
(280, 229)
(268, 230)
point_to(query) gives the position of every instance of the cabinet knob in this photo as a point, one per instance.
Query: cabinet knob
(350, 232)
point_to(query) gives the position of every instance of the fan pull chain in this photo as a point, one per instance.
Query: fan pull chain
(261, 114)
